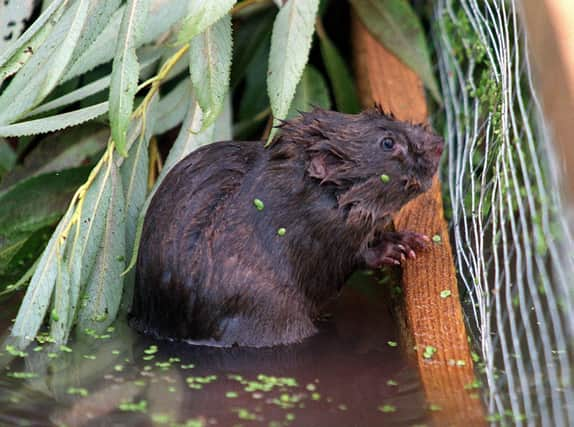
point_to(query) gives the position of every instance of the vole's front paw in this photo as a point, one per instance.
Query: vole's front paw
(394, 248)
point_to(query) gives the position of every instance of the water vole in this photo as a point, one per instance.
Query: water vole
(244, 244)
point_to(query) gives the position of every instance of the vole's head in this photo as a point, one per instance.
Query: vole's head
(378, 163)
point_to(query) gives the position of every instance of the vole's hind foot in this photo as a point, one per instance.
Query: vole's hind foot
(394, 248)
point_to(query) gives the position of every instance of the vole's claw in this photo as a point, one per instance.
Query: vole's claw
(394, 248)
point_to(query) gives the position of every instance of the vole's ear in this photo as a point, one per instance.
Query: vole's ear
(317, 166)
(324, 166)
(326, 160)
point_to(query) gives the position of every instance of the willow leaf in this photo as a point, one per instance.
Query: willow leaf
(395, 24)
(290, 43)
(90, 89)
(311, 91)
(173, 106)
(190, 137)
(134, 173)
(342, 83)
(101, 50)
(103, 292)
(60, 318)
(41, 73)
(210, 66)
(37, 298)
(99, 14)
(200, 15)
(62, 56)
(163, 14)
(88, 232)
(223, 127)
(54, 123)
(21, 49)
(8, 157)
(125, 71)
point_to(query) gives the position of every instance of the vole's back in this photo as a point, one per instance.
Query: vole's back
(200, 262)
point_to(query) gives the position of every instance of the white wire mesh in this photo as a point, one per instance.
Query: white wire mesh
(513, 244)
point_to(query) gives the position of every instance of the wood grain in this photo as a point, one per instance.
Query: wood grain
(550, 28)
(427, 319)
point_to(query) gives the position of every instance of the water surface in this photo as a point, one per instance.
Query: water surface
(346, 375)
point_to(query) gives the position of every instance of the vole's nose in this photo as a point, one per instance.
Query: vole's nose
(437, 147)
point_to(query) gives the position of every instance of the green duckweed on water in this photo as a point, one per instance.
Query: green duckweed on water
(140, 406)
(387, 408)
(385, 178)
(13, 351)
(392, 343)
(22, 375)
(445, 293)
(152, 349)
(77, 391)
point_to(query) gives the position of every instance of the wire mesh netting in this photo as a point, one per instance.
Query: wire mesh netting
(513, 245)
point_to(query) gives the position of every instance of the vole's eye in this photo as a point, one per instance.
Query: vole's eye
(387, 143)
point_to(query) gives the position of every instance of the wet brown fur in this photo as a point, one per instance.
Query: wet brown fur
(212, 268)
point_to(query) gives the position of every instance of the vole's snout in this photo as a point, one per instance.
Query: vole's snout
(437, 145)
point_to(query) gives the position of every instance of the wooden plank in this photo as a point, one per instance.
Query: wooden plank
(550, 28)
(428, 319)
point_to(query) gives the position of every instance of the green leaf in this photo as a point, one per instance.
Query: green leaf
(7, 157)
(311, 91)
(20, 283)
(201, 14)
(37, 298)
(54, 123)
(254, 98)
(342, 83)
(189, 139)
(33, 204)
(162, 16)
(88, 231)
(210, 65)
(64, 150)
(89, 89)
(290, 43)
(223, 127)
(247, 40)
(60, 319)
(125, 71)
(99, 14)
(22, 49)
(134, 174)
(173, 106)
(103, 292)
(254, 103)
(395, 24)
(63, 54)
(42, 72)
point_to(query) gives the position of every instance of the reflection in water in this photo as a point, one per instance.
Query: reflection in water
(347, 375)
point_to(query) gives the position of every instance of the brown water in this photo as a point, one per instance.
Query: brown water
(347, 375)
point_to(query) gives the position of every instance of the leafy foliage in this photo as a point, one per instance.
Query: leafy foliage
(108, 79)
(396, 25)
(290, 44)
